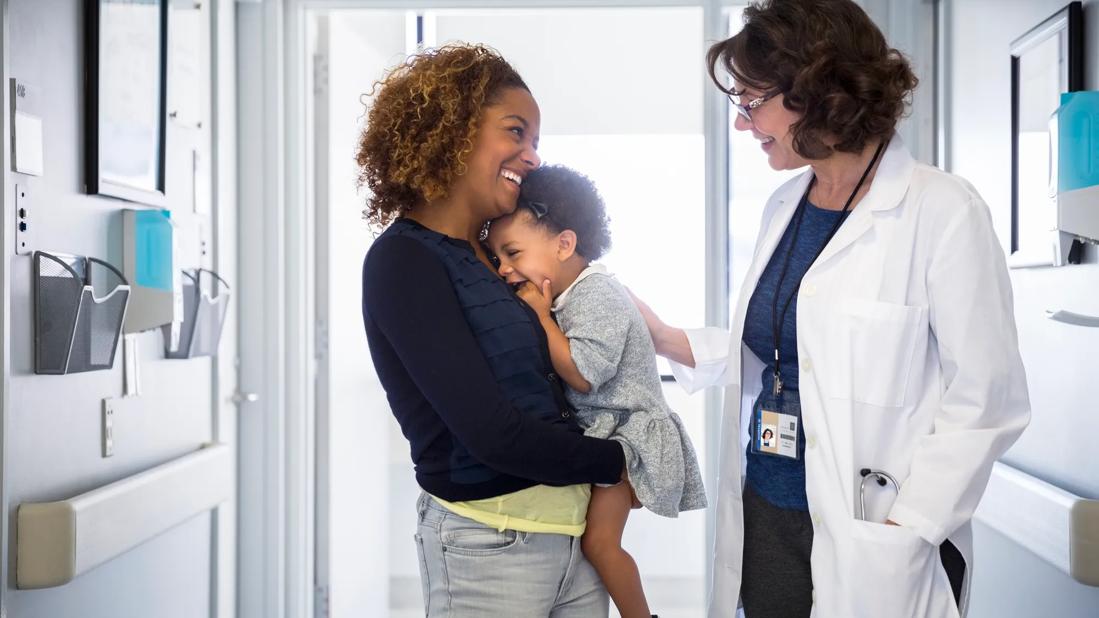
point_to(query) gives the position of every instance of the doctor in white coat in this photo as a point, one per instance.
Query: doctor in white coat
(901, 333)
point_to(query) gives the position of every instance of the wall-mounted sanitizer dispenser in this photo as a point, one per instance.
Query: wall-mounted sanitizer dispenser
(1074, 171)
(149, 262)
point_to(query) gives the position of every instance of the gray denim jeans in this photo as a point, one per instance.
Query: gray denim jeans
(469, 570)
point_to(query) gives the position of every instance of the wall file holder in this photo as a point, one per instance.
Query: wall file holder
(205, 304)
(75, 330)
(58, 541)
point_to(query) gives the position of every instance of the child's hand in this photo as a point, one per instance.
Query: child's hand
(539, 300)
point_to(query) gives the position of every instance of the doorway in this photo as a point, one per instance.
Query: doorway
(625, 112)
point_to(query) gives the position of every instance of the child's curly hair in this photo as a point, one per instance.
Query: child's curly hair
(422, 124)
(568, 201)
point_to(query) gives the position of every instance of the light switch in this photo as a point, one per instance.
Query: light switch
(25, 226)
(108, 427)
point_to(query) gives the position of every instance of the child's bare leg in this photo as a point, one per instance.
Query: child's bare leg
(602, 545)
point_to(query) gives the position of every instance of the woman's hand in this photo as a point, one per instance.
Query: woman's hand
(655, 324)
(670, 342)
(538, 299)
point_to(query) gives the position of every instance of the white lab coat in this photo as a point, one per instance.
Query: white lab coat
(909, 364)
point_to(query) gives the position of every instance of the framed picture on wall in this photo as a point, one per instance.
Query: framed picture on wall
(1045, 62)
(126, 87)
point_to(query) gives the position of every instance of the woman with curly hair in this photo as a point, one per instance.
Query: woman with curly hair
(504, 467)
(874, 331)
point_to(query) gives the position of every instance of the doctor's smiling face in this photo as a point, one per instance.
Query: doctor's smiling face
(770, 124)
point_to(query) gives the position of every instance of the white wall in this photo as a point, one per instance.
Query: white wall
(908, 27)
(53, 422)
(621, 76)
(1060, 360)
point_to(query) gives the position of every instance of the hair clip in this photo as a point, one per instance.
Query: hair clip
(537, 208)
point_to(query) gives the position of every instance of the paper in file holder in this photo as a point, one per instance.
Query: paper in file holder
(205, 304)
(1056, 525)
(150, 263)
(75, 330)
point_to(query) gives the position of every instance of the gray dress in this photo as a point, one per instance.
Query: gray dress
(612, 348)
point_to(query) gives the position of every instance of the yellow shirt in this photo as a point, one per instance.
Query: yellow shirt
(541, 508)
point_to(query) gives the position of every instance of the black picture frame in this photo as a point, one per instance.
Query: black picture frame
(126, 55)
(1067, 26)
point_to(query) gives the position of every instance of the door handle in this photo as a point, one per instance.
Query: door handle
(239, 398)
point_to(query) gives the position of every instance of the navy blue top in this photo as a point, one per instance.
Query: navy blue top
(781, 480)
(467, 373)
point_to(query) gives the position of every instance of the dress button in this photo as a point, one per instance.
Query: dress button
(552, 378)
(809, 289)
(565, 414)
(811, 442)
(806, 366)
(816, 519)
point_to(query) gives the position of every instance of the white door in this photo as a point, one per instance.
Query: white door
(351, 49)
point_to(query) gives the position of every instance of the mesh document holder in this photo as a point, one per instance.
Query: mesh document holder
(74, 329)
(205, 304)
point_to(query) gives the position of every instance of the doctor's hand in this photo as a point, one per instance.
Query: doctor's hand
(890, 522)
(538, 299)
(670, 342)
(655, 324)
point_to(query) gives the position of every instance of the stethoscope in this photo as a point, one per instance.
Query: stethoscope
(882, 477)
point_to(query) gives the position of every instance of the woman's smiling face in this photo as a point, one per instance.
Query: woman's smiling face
(505, 150)
(770, 124)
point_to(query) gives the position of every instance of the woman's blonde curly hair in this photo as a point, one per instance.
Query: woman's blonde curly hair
(421, 126)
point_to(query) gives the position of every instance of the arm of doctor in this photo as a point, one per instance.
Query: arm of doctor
(984, 406)
(670, 342)
(698, 355)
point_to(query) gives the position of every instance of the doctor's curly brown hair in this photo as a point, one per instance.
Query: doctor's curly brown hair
(421, 125)
(831, 64)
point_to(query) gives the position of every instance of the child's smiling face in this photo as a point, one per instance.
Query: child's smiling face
(527, 251)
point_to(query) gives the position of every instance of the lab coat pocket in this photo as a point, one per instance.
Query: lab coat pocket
(893, 572)
(875, 343)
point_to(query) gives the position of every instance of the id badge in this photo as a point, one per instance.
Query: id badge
(775, 433)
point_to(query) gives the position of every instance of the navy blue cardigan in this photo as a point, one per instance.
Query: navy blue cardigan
(467, 373)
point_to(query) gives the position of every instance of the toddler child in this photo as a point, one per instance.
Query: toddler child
(601, 348)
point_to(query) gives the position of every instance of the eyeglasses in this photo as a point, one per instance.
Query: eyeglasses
(746, 109)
